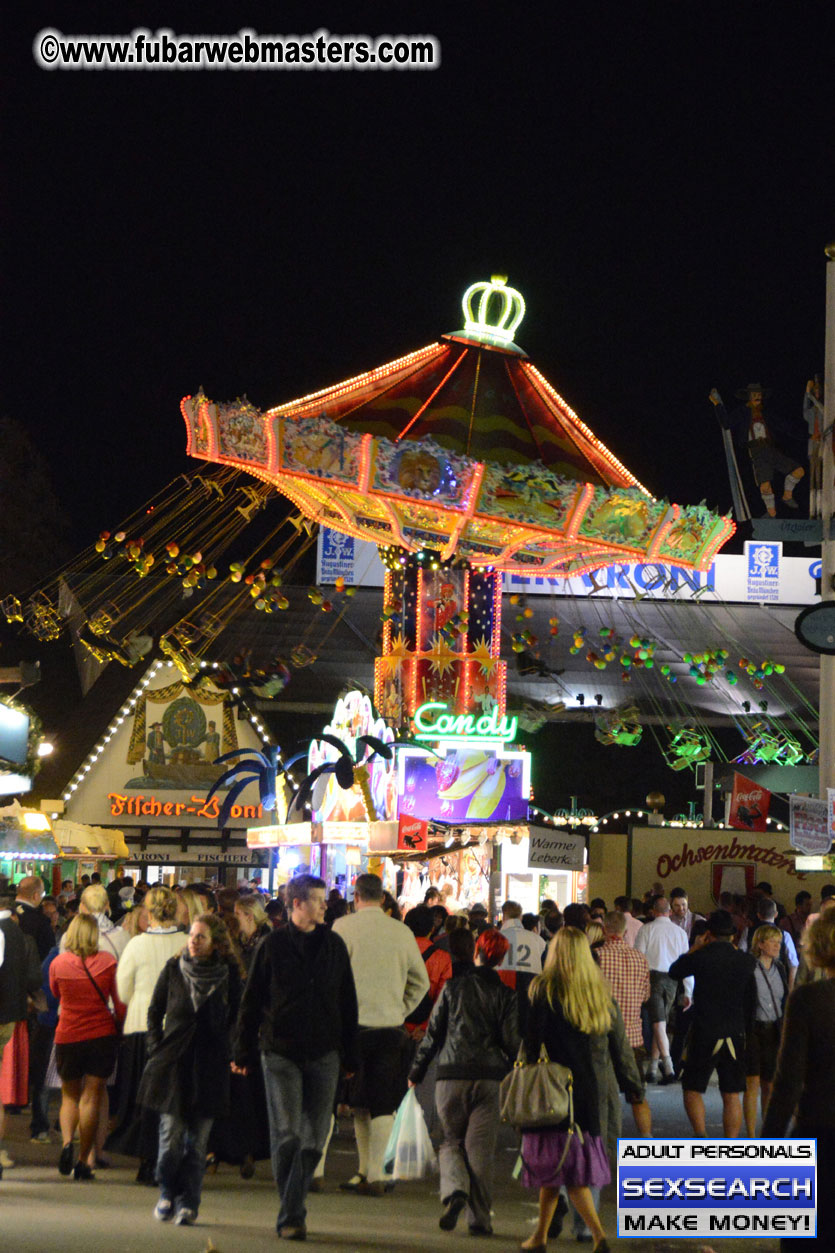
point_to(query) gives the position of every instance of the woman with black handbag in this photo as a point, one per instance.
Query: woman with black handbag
(571, 1008)
(83, 979)
(474, 1033)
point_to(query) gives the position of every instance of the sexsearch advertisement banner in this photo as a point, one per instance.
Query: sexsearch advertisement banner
(716, 1189)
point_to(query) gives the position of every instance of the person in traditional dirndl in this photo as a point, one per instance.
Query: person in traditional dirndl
(571, 1007)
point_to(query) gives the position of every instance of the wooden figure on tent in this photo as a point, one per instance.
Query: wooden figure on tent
(211, 742)
(754, 431)
(156, 744)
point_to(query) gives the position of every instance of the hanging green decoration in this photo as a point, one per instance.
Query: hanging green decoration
(620, 726)
(687, 749)
(767, 745)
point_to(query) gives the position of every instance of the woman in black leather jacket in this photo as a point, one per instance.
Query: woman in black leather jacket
(474, 1032)
(572, 1013)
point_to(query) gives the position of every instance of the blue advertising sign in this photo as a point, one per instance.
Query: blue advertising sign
(763, 561)
(697, 1189)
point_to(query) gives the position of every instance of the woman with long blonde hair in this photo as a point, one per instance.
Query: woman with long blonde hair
(572, 1013)
(134, 921)
(83, 979)
(253, 925)
(595, 936)
(243, 1135)
(190, 905)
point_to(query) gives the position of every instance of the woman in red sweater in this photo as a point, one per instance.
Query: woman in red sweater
(86, 1038)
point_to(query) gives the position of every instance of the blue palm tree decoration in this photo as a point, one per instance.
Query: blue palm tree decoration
(251, 767)
(348, 770)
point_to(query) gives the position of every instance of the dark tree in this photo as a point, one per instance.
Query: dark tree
(34, 530)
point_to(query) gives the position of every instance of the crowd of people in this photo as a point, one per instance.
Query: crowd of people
(191, 1026)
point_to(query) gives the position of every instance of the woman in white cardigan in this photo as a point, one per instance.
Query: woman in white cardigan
(140, 966)
(95, 902)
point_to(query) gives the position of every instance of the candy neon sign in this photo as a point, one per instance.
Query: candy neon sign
(447, 726)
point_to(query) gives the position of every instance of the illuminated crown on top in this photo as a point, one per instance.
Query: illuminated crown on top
(492, 311)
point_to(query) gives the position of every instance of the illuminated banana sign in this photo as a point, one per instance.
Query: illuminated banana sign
(463, 782)
(431, 725)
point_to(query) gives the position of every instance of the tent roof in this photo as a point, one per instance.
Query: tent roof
(474, 399)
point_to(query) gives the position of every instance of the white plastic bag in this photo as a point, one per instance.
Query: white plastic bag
(409, 1152)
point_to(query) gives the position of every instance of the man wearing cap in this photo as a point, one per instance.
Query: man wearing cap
(478, 918)
(752, 430)
(724, 999)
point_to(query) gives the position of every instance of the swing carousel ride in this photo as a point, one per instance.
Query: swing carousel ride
(465, 467)
(461, 463)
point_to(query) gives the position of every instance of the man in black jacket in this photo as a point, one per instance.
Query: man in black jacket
(723, 1009)
(300, 1009)
(33, 921)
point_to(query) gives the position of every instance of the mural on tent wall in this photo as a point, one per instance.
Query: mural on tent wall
(178, 733)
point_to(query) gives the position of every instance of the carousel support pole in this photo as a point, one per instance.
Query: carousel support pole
(707, 801)
(826, 760)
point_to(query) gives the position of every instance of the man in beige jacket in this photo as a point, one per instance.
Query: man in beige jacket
(391, 981)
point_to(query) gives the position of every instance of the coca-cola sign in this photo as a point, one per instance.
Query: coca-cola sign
(412, 834)
(749, 805)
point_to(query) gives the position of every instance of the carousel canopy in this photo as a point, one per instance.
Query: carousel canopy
(463, 448)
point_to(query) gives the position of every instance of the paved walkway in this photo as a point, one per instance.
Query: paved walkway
(41, 1212)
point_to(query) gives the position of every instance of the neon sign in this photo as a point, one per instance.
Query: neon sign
(152, 807)
(511, 314)
(447, 726)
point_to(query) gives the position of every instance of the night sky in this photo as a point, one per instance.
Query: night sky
(657, 180)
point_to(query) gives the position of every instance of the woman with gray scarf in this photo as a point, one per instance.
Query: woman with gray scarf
(186, 1079)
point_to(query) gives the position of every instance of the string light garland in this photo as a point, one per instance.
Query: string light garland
(127, 710)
